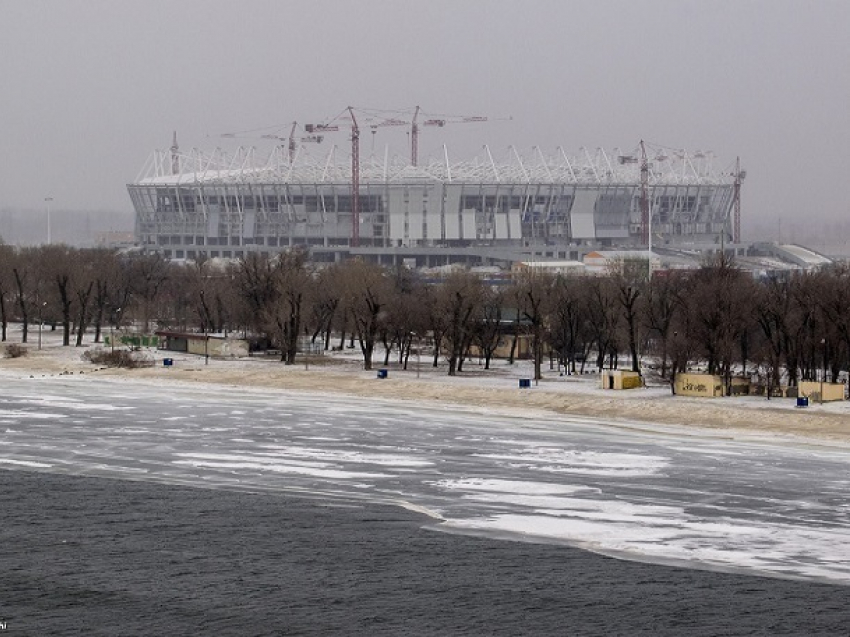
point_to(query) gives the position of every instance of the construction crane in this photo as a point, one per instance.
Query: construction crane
(644, 196)
(355, 161)
(374, 124)
(292, 143)
(739, 177)
(434, 121)
(292, 140)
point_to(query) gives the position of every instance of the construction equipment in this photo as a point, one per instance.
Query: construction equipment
(438, 121)
(291, 140)
(375, 122)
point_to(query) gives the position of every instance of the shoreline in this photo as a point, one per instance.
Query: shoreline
(495, 390)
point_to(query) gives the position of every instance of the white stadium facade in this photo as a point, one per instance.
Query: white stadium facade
(483, 211)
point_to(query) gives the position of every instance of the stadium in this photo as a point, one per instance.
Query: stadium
(392, 211)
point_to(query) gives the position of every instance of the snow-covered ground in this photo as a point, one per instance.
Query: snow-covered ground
(494, 389)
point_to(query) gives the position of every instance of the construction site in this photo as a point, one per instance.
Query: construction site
(315, 190)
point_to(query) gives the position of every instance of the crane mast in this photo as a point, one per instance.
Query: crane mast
(414, 139)
(739, 176)
(355, 180)
(644, 196)
(436, 121)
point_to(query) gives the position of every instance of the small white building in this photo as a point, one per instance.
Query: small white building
(607, 261)
(551, 267)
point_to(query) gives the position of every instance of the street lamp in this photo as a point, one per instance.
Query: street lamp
(206, 336)
(115, 316)
(47, 201)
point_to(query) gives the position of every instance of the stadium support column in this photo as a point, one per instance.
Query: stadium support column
(355, 180)
(644, 196)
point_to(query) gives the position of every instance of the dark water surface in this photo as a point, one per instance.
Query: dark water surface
(94, 556)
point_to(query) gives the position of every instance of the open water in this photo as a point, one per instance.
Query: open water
(98, 556)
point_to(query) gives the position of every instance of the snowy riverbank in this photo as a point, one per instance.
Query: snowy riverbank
(496, 389)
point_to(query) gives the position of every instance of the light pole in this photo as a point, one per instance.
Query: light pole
(115, 317)
(823, 366)
(204, 325)
(40, 321)
(47, 201)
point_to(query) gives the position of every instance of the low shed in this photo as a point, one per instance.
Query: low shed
(215, 345)
(620, 379)
(710, 385)
(817, 391)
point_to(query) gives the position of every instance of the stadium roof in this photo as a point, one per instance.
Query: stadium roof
(597, 168)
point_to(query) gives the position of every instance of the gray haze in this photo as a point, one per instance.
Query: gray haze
(91, 87)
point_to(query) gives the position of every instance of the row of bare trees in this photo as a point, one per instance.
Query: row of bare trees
(718, 317)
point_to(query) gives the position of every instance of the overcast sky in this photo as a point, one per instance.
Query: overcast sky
(91, 87)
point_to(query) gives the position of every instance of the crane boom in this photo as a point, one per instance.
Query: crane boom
(440, 122)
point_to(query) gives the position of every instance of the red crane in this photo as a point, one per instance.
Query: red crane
(355, 162)
(355, 150)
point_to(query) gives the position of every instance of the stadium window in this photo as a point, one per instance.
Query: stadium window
(199, 241)
(190, 254)
(178, 254)
(213, 254)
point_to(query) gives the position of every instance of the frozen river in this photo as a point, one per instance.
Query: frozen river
(657, 494)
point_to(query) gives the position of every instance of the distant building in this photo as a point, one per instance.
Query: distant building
(607, 261)
(114, 239)
(477, 212)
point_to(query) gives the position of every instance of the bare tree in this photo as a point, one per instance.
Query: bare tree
(458, 300)
(7, 259)
(369, 291)
(489, 329)
(532, 289)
